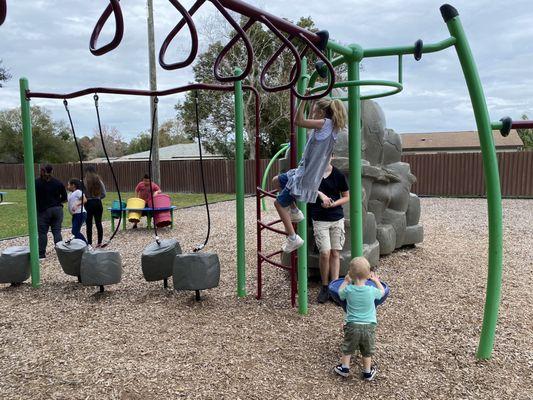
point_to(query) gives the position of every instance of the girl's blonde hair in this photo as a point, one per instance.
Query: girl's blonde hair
(334, 110)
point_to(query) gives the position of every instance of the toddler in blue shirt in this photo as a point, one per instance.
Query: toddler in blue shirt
(359, 330)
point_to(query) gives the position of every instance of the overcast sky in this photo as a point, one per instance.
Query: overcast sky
(47, 42)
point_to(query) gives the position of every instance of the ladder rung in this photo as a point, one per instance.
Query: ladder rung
(276, 264)
(270, 228)
(266, 193)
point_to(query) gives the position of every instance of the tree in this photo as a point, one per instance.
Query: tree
(113, 140)
(4, 74)
(52, 141)
(170, 132)
(216, 108)
(526, 135)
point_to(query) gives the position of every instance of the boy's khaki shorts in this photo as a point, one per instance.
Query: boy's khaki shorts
(329, 235)
(360, 337)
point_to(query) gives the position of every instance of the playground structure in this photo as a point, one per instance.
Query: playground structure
(391, 213)
(331, 55)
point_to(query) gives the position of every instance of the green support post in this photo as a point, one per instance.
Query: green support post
(354, 156)
(492, 182)
(239, 185)
(302, 226)
(267, 170)
(31, 202)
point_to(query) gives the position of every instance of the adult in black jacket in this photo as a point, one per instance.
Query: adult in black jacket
(51, 195)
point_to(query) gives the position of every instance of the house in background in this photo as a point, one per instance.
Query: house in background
(456, 142)
(187, 151)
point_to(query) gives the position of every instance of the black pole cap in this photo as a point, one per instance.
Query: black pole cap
(324, 38)
(419, 46)
(507, 122)
(448, 12)
(321, 69)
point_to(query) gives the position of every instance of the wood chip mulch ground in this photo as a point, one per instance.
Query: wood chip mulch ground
(140, 341)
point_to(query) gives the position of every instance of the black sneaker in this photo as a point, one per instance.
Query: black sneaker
(339, 369)
(368, 376)
(323, 295)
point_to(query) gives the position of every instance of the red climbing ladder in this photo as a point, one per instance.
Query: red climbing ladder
(268, 258)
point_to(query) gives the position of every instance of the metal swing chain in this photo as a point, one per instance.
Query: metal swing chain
(65, 103)
(95, 97)
(200, 247)
(156, 100)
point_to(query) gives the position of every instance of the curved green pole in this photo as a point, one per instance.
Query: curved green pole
(31, 202)
(239, 186)
(302, 226)
(267, 170)
(492, 182)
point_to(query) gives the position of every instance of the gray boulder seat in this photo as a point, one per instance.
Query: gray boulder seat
(100, 268)
(69, 255)
(196, 271)
(15, 265)
(157, 260)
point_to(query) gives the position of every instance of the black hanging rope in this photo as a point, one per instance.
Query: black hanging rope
(65, 103)
(156, 100)
(95, 97)
(200, 247)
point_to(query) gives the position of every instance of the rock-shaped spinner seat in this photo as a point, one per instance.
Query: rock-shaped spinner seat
(157, 260)
(69, 255)
(196, 271)
(15, 264)
(100, 268)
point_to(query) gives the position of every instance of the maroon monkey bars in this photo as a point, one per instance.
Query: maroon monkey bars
(112, 7)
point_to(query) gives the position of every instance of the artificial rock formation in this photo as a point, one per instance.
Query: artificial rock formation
(391, 213)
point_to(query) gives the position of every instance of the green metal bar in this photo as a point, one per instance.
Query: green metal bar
(492, 181)
(335, 62)
(354, 154)
(400, 68)
(31, 201)
(394, 51)
(339, 49)
(267, 170)
(239, 185)
(497, 125)
(302, 226)
(398, 87)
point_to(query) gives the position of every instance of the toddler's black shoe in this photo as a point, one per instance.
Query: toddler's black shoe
(368, 376)
(342, 371)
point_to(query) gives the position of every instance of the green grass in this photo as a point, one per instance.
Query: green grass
(14, 218)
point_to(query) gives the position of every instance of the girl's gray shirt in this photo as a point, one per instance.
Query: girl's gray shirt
(303, 181)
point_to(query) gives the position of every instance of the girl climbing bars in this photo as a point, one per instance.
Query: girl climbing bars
(301, 184)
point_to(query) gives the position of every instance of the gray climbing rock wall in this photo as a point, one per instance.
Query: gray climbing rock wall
(391, 213)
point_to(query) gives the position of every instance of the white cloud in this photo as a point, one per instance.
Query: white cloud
(47, 41)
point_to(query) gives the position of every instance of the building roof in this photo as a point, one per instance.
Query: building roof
(465, 140)
(186, 151)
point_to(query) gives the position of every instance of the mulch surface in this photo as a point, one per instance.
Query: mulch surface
(140, 341)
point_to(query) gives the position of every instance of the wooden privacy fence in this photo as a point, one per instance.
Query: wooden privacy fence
(461, 174)
(176, 176)
(446, 174)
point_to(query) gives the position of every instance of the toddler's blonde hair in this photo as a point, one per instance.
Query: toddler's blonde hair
(359, 268)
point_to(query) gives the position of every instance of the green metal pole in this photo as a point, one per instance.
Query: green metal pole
(302, 226)
(31, 202)
(492, 181)
(239, 185)
(267, 170)
(354, 154)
